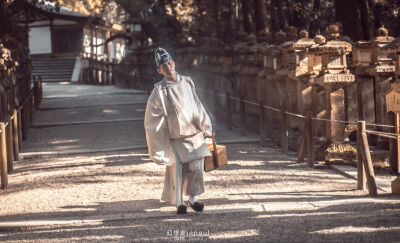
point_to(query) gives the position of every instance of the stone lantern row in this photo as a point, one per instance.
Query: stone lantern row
(328, 75)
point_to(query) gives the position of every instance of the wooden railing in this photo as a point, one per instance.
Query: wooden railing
(14, 126)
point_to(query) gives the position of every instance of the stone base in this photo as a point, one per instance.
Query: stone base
(336, 152)
(396, 186)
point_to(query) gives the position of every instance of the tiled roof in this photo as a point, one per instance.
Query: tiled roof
(57, 9)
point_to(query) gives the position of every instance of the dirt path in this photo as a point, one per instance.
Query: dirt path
(261, 196)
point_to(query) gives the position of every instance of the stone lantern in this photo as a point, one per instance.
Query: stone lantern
(328, 70)
(295, 91)
(374, 69)
(295, 61)
(249, 70)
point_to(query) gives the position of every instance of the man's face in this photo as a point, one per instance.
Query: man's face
(167, 69)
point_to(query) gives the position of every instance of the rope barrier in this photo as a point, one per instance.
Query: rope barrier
(234, 98)
(387, 135)
(383, 133)
(379, 125)
(251, 102)
(297, 115)
(271, 108)
(6, 124)
(302, 116)
(339, 121)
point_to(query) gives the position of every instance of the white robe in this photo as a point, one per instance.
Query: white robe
(176, 124)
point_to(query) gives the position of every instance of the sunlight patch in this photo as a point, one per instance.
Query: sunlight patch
(64, 141)
(176, 220)
(234, 234)
(108, 111)
(295, 215)
(353, 229)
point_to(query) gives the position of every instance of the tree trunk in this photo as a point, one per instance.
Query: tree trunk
(274, 19)
(259, 14)
(339, 5)
(217, 16)
(246, 19)
(227, 20)
(348, 12)
(377, 14)
(277, 12)
(314, 23)
(365, 19)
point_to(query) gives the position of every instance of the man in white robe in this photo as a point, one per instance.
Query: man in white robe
(176, 125)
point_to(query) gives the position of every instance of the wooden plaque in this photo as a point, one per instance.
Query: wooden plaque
(392, 101)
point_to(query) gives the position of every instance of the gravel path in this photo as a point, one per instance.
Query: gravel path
(261, 196)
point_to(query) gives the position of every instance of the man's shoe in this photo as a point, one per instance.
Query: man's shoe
(182, 209)
(197, 206)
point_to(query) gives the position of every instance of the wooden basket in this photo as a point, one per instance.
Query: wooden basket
(218, 156)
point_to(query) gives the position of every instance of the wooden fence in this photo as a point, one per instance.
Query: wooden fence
(365, 170)
(14, 126)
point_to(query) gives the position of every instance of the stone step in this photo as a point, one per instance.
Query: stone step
(50, 73)
(53, 69)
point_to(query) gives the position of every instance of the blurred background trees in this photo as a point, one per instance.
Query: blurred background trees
(190, 21)
(182, 22)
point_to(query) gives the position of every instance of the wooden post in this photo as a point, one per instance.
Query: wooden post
(32, 100)
(302, 149)
(9, 144)
(361, 178)
(28, 112)
(3, 156)
(310, 141)
(19, 129)
(215, 100)
(15, 135)
(284, 132)
(314, 106)
(262, 123)
(328, 115)
(360, 106)
(242, 117)
(229, 110)
(397, 124)
(366, 158)
(24, 120)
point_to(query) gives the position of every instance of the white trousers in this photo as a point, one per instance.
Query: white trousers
(184, 178)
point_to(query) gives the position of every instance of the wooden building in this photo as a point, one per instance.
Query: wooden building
(59, 38)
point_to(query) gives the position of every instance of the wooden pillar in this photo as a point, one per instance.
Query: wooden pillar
(360, 107)
(24, 120)
(366, 157)
(261, 119)
(15, 135)
(397, 124)
(19, 129)
(310, 141)
(229, 110)
(9, 142)
(314, 106)
(361, 177)
(3, 156)
(378, 101)
(242, 117)
(284, 132)
(300, 97)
